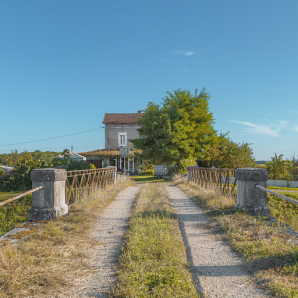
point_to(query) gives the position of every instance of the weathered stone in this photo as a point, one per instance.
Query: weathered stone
(250, 198)
(50, 174)
(251, 174)
(50, 201)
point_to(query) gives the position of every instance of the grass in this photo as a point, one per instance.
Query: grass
(282, 188)
(153, 263)
(13, 213)
(283, 210)
(146, 179)
(55, 254)
(7, 195)
(271, 256)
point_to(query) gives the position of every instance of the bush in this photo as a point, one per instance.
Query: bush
(24, 163)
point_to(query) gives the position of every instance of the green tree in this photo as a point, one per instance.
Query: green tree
(228, 154)
(68, 163)
(23, 164)
(180, 129)
(278, 168)
(235, 155)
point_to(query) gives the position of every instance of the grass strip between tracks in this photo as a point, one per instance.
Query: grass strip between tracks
(271, 255)
(153, 263)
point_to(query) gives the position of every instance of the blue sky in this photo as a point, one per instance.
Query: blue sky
(63, 64)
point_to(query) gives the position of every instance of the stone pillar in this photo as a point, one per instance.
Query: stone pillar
(250, 198)
(50, 201)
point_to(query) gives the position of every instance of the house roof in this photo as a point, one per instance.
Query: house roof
(122, 117)
(73, 155)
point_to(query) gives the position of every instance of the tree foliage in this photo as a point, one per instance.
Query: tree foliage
(280, 169)
(6, 158)
(180, 129)
(66, 162)
(25, 162)
(229, 154)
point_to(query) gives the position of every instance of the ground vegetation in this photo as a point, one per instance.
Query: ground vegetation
(153, 263)
(55, 254)
(271, 254)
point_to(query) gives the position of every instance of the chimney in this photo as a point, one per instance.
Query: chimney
(139, 112)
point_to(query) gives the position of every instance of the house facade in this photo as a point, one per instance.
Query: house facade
(120, 128)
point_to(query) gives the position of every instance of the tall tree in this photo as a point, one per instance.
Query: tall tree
(180, 129)
(234, 155)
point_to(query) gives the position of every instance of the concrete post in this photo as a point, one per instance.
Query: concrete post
(250, 198)
(50, 201)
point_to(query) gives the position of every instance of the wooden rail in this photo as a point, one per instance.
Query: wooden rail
(277, 194)
(21, 195)
(81, 182)
(213, 177)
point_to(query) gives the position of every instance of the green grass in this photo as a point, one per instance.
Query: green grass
(271, 256)
(14, 213)
(282, 188)
(153, 263)
(283, 210)
(7, 195)
(146, 179)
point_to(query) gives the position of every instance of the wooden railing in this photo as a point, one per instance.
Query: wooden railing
(213, 177)
(81, 182)
(20, 195)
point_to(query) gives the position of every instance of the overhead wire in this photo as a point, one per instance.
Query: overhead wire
(52, 138)
(277, 152)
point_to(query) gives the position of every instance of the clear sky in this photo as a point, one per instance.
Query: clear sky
(64, 63)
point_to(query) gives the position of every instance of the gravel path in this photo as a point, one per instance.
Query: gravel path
(217, 270)
(109, 230)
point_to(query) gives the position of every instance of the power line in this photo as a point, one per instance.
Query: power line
(277, 152)
(71, 134)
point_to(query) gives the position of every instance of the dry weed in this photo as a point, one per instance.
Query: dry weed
(273, 259)
(207, 198)
(56, 254)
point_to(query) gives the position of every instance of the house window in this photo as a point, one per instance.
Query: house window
(122, 138)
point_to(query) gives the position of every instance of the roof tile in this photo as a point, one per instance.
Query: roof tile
(122, 117)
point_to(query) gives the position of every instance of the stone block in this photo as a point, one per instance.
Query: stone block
(250, 198)
(50, 201)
